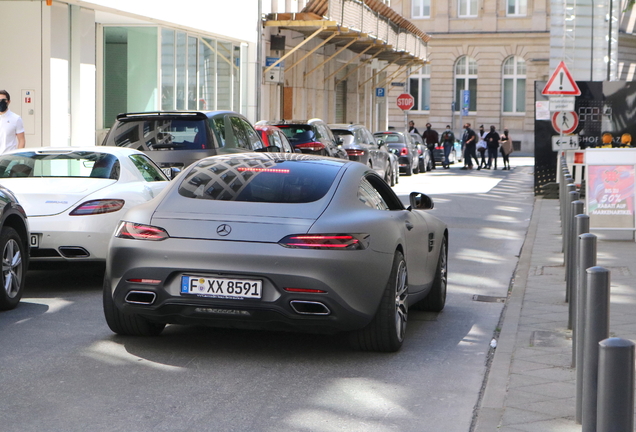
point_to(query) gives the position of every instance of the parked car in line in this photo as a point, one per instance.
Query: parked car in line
(274, 137)
(456, 154)
(310, 136)
(405, 147)
(75, 196)
(395, 166)
(14, 245)
(293, 241)
(361, 146)
(424, 154)
(175, 139)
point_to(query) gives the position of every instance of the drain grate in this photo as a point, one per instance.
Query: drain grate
(489, 299)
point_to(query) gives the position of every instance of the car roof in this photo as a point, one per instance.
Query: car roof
(203, 114)
(345, 126)
(289, 122)
(115, 151)
(266, 127)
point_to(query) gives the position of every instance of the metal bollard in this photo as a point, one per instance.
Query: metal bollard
(587, 259)
(596, 329)
(582, 226)
(571, 187)
(573, 195)
(615, 408)
(576, 208)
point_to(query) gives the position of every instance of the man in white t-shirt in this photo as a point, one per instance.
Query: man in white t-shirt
(11, 127)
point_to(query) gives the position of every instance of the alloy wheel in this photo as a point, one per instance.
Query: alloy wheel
(401, 301)
(11, 268)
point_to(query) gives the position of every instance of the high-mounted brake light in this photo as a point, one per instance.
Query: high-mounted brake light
(325, 241)
(268, 170)
(98, 207)
(129, 230)
(311, 146)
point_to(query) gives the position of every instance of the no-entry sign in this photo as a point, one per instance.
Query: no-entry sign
(405, 101)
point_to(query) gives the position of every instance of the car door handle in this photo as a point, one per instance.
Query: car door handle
(409, 225)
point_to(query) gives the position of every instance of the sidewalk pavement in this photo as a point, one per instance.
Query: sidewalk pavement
(531, 385)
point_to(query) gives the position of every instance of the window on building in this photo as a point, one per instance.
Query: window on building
(517, 8)
(467, 8)
(514, 85)
(420, 89)
(466, 80)
(421, 9)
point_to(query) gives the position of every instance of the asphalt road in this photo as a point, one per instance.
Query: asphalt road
(61, 369)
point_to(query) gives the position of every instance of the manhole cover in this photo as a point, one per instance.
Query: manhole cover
(489, 299)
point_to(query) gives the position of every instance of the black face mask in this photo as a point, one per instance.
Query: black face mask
(3, 105)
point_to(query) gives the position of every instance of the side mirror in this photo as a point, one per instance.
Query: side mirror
(297, 150)
(420, 201)
(339, 140)
(171, 172)
(380, 142)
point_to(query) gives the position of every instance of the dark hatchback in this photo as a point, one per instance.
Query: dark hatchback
(175, 139)
(405, 149)
(311, 136)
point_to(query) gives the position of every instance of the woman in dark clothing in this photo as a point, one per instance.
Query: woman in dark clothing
(492, 140)
(506, 149)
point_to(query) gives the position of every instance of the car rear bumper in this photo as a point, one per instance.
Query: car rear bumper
(72, 238)
(351, 295)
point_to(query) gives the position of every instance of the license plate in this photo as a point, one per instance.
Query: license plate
(35, 240)
(221, 287)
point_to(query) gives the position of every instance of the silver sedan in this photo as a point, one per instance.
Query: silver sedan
(278, 241)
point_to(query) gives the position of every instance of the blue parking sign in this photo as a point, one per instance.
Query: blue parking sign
(465, 101)
(379, 92)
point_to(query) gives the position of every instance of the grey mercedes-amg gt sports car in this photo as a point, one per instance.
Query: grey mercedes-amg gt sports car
(277, 241)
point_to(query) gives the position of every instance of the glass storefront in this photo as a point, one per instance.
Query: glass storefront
(150, 68)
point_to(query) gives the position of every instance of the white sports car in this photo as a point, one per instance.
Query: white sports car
(75, 196)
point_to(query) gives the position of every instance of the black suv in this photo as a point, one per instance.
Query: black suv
(311, 136)
(192, 135)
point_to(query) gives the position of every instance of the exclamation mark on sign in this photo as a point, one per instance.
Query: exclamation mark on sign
(560, 80)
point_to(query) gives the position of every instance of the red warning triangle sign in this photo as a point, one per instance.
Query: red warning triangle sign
(561, 83)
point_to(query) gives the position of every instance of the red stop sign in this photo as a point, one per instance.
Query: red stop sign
(405, 101)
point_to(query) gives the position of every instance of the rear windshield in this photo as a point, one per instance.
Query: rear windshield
(390, 138)
(160, 134)
(259, 180)
(346, 135)
(298, 134)
(72, 164)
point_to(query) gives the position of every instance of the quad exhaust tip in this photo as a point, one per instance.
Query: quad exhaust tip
(304, 307)
(140, 297)
(73, 252)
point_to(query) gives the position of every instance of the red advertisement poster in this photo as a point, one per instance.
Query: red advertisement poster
(610, 196)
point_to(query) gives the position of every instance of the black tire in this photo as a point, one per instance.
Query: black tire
(127, 324)
(385, 333)
(436, 298)
(388, 175)
(422, 167)
(13, 268)
(416, 170)
(408, 171)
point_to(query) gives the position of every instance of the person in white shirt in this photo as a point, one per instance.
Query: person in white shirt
(11, 126)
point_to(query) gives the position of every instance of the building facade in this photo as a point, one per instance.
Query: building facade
(484, 58)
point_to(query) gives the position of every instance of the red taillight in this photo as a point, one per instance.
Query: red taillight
(305, 290)
(325, 241)
(145, 281)
(439, 147)
(404, 151)
(419, 151)
(311, 146)
(129, 230)
(352, 152)
(98, 207)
